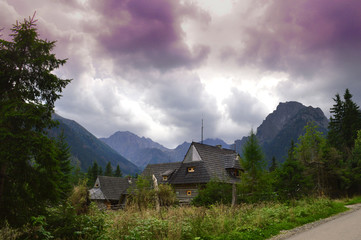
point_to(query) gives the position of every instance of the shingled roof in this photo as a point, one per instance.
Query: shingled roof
(208, 162)
(109, 188)
(160, 170)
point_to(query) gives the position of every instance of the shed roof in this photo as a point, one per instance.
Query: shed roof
(109, 188)
(160, 170)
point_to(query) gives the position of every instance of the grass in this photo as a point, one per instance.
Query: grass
(245, 221)
(248, 221)
(354, 200)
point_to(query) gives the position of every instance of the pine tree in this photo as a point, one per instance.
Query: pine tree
(345, 121)
(29, 165)
(253, 157)
(65, 167)
(118, 172)
(100, 171)
(273, 166)
(108, 170)
(292, 180)
(309, 153)
(93, 174)
(254, 165)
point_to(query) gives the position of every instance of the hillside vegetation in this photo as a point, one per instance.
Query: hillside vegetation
(246, 221)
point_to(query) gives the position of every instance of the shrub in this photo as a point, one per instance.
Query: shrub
(214, 192)
(79, 197)
(142, 195)
(166, 194)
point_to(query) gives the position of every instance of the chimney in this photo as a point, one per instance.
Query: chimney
(130, 180)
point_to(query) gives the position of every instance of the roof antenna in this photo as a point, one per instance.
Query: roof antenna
(202, 132)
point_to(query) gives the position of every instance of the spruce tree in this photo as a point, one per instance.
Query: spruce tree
(108, 170)
(118, 172)
(345, 121)
(273, 166)
(309, 153)
(65, 167)
(253, 157)
(29, 164)
(292, 180)
(253, 164)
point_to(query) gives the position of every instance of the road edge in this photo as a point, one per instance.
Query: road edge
(289, 233)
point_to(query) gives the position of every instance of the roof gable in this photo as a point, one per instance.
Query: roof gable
(211, 162)
(192, 155)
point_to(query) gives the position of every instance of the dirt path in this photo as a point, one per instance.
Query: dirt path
(346, 226)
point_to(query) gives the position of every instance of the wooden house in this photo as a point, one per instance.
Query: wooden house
(201, 164)
(110, 192)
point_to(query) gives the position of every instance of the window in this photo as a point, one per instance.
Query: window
(97, 185)
(189, 193)
(191, 169)
(165, 178)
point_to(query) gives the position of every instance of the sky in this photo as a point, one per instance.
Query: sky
(158, 67)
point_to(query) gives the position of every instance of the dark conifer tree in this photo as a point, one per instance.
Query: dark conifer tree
(100, 171)
(274, 165)
(29, 164)
(94, 171)
(345, 120)
(108, 170)
(65, 167)
(292, 181)
(118, 172)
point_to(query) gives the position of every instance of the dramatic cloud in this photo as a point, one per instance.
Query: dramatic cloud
(146, 34)
(316, 42)
(157, 67)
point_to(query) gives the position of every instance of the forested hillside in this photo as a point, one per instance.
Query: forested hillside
(87, 149)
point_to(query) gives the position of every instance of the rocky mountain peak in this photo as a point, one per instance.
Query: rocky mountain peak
(275, 121)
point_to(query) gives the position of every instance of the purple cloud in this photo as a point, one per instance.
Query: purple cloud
(147, 34)
(302, 37)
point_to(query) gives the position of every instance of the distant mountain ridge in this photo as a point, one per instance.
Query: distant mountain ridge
(284, 124)
(133, 153)
(142, 151)
(85, 148)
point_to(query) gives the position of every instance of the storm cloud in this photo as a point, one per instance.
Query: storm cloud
(157, 67)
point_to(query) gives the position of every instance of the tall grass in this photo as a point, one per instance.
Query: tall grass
(247, 221)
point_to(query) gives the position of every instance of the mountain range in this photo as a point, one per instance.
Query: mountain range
(86, 149)
(133, 153)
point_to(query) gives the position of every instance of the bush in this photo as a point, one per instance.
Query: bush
(142, 195)
(214, 192)
(166, 194)
(79, 197)
(63, 222)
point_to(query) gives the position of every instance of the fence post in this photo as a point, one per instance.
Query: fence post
(234, 194)
(155, 183)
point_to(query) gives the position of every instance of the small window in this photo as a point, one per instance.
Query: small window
(191, 169)
(189, 193)
(165, 178)
(97, 185)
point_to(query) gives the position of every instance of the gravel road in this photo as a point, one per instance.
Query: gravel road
(345, 226)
